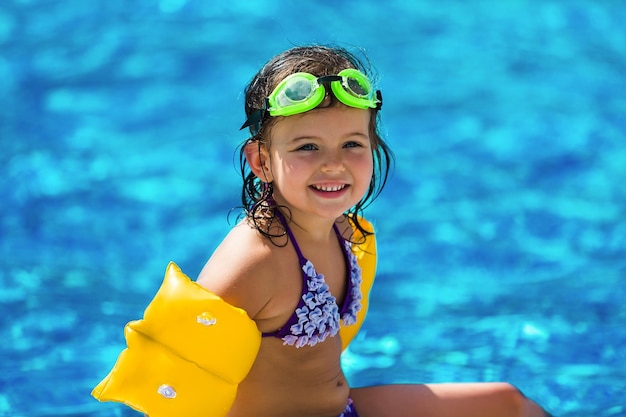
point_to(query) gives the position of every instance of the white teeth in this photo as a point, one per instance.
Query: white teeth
(329, 188)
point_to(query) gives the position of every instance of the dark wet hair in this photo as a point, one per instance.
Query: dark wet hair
(318, 60)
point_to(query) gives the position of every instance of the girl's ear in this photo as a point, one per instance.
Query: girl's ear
(258, 160)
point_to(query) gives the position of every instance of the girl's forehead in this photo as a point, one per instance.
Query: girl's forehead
(337, 120)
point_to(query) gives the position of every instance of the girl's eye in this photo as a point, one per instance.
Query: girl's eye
(307, 147)
(352, 144)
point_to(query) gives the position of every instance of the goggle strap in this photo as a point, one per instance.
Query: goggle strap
(256, 118)
(379, 100)
(329, 78)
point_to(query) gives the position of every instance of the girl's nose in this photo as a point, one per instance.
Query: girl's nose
(333, 162)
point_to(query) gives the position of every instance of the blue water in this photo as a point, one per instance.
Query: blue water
(502, 233)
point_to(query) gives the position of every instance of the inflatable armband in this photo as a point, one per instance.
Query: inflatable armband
(366, 256)
(191, 350)
(186, 357)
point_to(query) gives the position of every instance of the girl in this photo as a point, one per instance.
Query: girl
(299, 264)
(314, 161)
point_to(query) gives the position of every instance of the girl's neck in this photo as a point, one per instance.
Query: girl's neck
(317, 230)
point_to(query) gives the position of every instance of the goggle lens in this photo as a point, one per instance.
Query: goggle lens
(356, 88)
(298, 90)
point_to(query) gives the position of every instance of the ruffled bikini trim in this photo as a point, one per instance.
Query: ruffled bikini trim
(319, 317)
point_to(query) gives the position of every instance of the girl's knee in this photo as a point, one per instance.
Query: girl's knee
(515, 397)
(522, 405)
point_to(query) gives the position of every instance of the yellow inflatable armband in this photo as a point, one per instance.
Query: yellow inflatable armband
(186, 357)
(192, 349)
(366, 256)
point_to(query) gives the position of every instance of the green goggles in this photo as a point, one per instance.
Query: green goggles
(301, 92)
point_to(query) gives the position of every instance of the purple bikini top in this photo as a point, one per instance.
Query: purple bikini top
(317, 315)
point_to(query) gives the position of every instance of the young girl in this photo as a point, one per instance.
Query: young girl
(314, 161)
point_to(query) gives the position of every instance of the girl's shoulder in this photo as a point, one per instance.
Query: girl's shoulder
(344, 225)
(240, 269)
(353, 227)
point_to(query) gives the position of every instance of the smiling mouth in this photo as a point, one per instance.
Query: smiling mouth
(329, 188)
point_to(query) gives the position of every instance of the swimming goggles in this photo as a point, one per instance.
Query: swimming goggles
(301, 92)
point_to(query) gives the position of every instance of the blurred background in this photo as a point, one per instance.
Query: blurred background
(502, 232)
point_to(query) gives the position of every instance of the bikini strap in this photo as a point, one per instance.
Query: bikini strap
(283, 221)
(301, 257)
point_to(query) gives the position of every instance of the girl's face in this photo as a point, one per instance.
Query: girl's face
(321, 161)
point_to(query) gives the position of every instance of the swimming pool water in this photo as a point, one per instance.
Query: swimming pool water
(502, 233)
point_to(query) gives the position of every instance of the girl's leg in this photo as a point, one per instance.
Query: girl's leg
(444, 400)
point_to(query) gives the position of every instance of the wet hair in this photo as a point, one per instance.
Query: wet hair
(256, 195)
